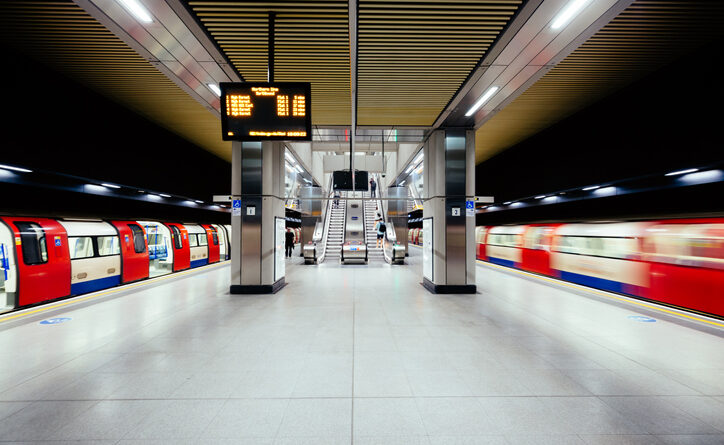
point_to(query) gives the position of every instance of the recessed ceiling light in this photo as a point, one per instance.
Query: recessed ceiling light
(488, 94)
(138, 11)
(570, 11)
(215, 88)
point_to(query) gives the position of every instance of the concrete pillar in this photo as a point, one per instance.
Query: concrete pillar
(448, 178)
(257, 178)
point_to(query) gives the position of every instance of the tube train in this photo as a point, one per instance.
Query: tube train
(676, 262)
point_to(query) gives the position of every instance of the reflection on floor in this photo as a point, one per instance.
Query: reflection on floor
(359, 354)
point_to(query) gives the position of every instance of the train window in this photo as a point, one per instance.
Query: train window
(192, 240)
(177, 241)
(32, 236)
(80, 247)
(214, 237)
(504, 239)
(202, 239)
(139, 243)
(606, 247)
(108, 245)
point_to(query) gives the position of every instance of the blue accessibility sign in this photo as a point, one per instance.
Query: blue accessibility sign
(469, 204)
(58, 320)
(236, 203)
(642, 319)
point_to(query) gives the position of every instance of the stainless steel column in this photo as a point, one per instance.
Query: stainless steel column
(257, 178)
(449, 177)
(310, 205)
(397, 213)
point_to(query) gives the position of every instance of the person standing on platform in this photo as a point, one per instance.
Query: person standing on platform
(373, 187)
(336, 199)
(289, 242)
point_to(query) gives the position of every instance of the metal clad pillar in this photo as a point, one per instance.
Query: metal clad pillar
(258, 179)
(449, 177)
(397, 213)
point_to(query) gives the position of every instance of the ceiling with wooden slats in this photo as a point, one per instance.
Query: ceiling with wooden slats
(63, 36)
(311, 45)
(646, 36)
(413, 55)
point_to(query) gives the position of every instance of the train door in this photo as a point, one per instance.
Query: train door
(223, 242)
(198, 245)
(212, 239)
(180, 245)
(228, 240)
(160, 248)
(42, 259)
(134, 250)
(8, 278)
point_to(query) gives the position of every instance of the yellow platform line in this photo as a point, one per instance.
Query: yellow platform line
(603, 294)
(32, 311)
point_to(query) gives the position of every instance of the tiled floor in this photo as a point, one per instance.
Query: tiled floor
(364, 355)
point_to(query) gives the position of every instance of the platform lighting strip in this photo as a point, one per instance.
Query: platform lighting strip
(682, 172)
(138, 11)
(17, 169)
(113, 186)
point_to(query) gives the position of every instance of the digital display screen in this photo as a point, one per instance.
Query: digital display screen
(342, 180)
(264, 111)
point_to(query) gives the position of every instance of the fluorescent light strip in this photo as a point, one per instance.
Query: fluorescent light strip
(540, 196)
(593, 187)
(215, 88)
(567, 14)
(682, 172)
(164, 195)
(17, 169)
(113, 186)
(488, 94)
(418, 158)
(409, 169)
(199, 202)
(138, 11)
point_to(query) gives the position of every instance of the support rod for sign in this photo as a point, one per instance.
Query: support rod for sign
(353, 84)
(270, 69)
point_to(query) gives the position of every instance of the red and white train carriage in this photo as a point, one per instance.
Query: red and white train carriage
(675, 262)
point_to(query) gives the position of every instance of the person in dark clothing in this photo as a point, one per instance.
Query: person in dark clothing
(336, 199)
(289, 242)
(373, 187)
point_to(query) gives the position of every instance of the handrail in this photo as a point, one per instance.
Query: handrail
(327, 217)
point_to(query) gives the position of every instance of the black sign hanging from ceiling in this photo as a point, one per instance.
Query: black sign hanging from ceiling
(266, 111)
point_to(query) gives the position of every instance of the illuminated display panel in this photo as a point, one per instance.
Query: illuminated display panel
(262, 111)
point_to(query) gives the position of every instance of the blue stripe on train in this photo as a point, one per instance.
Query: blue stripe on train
(94, 285)
(198, 263)
(502, 262)
(598, 283)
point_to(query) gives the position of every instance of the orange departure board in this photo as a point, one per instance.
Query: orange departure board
(260, 111)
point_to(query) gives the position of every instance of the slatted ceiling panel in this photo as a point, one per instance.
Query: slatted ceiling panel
(311, 45)
(414, 54)
(644, 37)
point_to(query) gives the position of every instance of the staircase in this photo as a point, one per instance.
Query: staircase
(410, 201)
(335, 233)
(373, 253)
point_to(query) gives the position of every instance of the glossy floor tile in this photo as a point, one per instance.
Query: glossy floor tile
(359, 354)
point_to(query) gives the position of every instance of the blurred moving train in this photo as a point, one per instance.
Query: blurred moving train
(675, 262)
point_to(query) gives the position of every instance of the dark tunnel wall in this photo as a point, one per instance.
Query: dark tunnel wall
(80, 132)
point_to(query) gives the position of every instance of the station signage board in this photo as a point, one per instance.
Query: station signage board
(266, 111)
